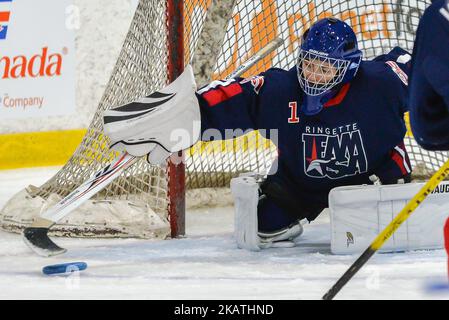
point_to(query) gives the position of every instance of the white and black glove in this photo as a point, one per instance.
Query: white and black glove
(165, 122)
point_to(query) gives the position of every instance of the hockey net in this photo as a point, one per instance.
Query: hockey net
(137, 204)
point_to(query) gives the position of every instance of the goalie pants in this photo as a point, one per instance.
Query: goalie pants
(279, 208)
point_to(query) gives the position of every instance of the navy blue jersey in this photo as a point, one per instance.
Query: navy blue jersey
(358, 133)
(429, 79)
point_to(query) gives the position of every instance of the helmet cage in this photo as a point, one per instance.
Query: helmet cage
(322, 68)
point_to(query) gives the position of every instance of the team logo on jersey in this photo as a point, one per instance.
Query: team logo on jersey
(256, 81)
(334, 153)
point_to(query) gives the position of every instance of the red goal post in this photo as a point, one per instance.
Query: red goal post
(175, 66)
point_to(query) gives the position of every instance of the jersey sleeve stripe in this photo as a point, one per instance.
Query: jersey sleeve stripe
(222, 93)
(399, 155)
(399, 72)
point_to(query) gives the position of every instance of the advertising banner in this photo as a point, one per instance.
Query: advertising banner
(37, 59)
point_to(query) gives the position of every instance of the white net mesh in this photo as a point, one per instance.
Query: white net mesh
(139, 196)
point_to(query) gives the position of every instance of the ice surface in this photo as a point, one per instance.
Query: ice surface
(206, 264)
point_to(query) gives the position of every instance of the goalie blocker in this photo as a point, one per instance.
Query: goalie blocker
(359, 213)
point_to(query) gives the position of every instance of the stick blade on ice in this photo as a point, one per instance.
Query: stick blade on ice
(36, 236)
(37, 240)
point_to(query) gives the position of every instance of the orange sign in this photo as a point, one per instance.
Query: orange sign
(38, 65)
(264, 20)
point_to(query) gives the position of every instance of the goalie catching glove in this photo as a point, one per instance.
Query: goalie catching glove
(162, 123)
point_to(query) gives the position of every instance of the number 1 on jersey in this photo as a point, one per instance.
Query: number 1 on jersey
(294, 112)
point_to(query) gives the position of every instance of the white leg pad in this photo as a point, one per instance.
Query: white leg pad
(359, 213)
(246, 197)
(245, 190)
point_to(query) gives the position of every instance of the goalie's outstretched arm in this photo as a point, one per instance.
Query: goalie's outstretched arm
(176, 117)
(234, 106)
(228, 104)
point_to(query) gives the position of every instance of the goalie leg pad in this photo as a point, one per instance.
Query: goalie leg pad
(245, 191)
(248, 205)
(359, 213)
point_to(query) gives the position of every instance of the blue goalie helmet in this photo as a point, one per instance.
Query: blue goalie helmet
(328, 57)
